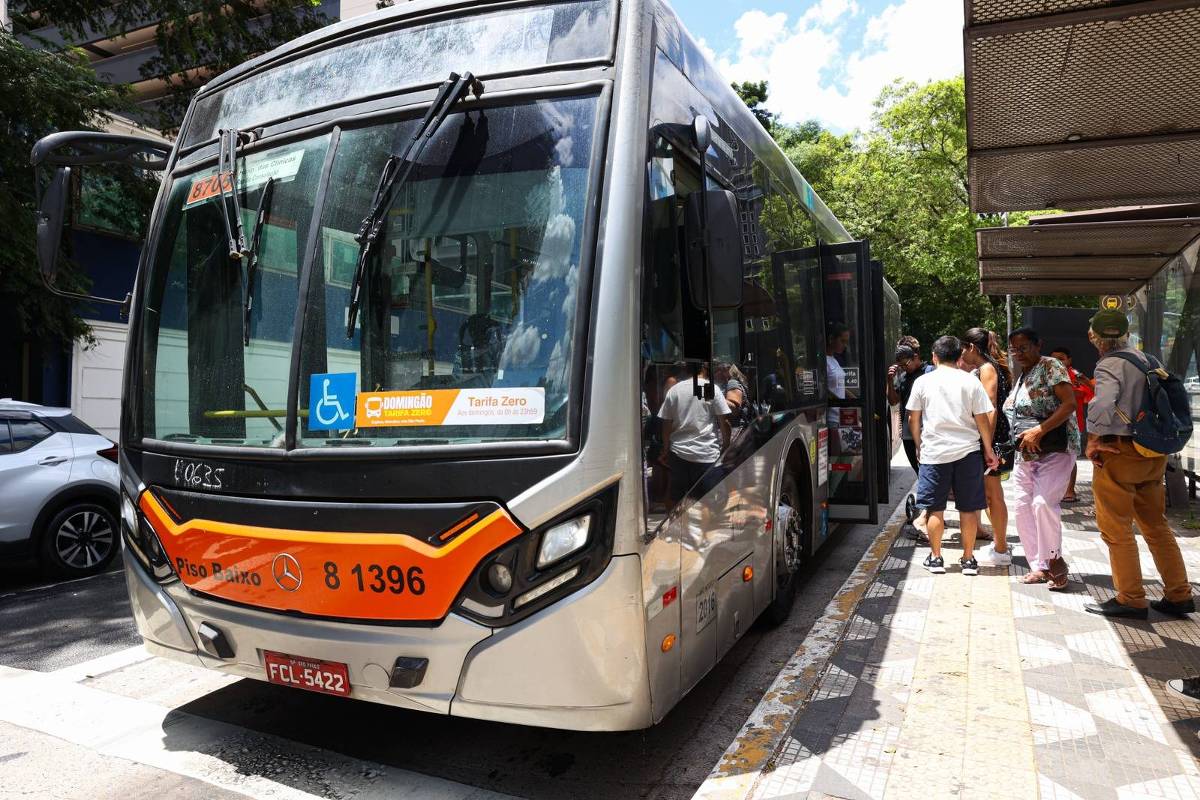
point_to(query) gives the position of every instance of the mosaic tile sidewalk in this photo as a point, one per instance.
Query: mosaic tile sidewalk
(947, 686)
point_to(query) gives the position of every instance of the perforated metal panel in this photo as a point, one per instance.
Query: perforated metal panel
(1071, 287)
(1079, 104)
(1139, 268)
(1097, 80)
(1161, 239)
(1154, 171)
(982, 11)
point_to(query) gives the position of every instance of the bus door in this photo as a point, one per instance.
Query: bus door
(882, 415)
(853, 339)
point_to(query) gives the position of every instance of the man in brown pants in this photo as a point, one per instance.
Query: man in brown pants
(1127, 485)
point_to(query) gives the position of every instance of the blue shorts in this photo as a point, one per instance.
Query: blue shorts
(965, 476)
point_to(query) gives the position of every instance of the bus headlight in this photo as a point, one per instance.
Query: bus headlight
(544, 565)
(143, 542)
(563, 539)
(128, 512)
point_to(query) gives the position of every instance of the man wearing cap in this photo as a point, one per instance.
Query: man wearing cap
(903, 373)
(1127, 485)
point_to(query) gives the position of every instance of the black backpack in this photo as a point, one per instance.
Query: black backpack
(1164, 419)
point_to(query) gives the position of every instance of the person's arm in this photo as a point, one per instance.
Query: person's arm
(1031, 439)
(666, 441)
(723, 421)
(1102, 417)
(984, 422)
(892, 395)
(734, 398)
(987, 376)
(1096, 448)
(914, 425)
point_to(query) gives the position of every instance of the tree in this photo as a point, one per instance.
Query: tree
(196, 39)
(754, 95)
(903, 185)
(40, 92)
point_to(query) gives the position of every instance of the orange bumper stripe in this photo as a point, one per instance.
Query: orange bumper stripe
(375, 576)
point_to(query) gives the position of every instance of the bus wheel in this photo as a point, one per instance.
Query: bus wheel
(789, 519)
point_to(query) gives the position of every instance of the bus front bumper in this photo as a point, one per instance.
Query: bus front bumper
(580, 664)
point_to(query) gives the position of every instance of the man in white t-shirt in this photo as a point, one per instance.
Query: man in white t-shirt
(697, 431)
(948, 416)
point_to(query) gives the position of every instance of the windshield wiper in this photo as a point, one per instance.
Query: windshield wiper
(264, 202)
(227, 165)
(394, 174)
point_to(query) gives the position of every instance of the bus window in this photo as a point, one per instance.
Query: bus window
(469, 299)
(202, 382)
(675, 337)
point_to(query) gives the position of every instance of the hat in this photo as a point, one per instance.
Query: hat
(1110, 324)
(903, 353)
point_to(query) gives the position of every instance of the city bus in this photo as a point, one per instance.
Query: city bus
(414, 288)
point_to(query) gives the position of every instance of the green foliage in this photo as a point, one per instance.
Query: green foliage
(903, 185)
(196, 38)
(40, 92)
(754, 94)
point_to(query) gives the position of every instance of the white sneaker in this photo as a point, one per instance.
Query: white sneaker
(991, 558)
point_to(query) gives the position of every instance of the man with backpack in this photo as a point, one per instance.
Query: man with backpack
(1127, 483)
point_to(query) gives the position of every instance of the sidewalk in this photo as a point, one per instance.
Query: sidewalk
(946, 686)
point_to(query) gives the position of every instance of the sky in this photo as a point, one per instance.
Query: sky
(828, 59)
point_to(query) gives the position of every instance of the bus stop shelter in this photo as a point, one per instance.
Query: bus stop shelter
(1078, 105)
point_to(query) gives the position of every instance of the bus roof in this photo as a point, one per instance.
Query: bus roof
(689, 58)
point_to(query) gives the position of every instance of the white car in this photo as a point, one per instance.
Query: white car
(58, 490)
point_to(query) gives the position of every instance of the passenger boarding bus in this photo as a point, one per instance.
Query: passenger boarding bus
(414, 290)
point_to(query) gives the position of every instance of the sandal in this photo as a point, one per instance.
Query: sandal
(1071, 498)
(1058, 575)
(1035, 576)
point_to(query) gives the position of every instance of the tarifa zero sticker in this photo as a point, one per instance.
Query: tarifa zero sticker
(515, 406)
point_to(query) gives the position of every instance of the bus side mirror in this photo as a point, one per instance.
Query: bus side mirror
(725, 253)
(50, 217)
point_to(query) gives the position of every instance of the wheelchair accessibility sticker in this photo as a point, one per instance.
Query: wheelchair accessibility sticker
(331, 401)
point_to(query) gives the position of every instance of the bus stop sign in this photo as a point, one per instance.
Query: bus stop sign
(1112, 302)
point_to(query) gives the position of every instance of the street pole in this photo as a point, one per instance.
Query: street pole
(1007, 297)
(5, 22)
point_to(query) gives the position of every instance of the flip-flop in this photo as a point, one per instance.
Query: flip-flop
(1070, 500)
(1036, 576)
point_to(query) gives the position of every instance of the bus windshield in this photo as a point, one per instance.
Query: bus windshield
(468, 309)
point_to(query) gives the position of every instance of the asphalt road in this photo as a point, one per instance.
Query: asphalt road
(321, 743)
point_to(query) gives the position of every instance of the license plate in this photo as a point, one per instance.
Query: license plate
(328, 677)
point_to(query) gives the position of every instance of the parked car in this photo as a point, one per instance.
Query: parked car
(58, 490)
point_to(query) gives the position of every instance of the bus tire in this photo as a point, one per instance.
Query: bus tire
(787, 578)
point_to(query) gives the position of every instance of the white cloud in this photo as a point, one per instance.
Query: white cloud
(828, 65)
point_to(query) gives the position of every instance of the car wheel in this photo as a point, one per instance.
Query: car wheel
(79, 540)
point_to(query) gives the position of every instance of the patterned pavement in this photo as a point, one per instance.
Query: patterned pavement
(946, 686)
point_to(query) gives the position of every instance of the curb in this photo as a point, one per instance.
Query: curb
(753, 751)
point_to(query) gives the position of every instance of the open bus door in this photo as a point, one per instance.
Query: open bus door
(883, 413)
(854, 371)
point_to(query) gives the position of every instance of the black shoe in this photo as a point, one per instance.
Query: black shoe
(1111, 608)
(935, 564)
(969, 566)
(1173, 609)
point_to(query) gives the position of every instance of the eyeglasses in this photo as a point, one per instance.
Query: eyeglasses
(1020, 348)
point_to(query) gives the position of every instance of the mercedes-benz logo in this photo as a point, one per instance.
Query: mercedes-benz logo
(287, 573)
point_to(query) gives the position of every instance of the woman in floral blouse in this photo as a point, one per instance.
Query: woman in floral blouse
(1041, 415)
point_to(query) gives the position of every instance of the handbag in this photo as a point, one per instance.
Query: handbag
(1054, 440)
